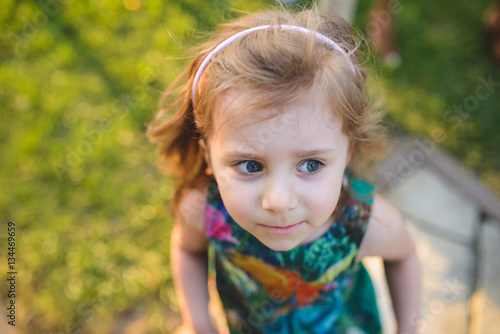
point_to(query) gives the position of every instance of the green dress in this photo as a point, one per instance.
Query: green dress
(313, 288)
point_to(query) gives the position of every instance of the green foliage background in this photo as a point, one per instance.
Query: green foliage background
(79, 81)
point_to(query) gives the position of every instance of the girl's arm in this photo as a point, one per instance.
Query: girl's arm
(188, 252)
(387, 236)
(403, 278)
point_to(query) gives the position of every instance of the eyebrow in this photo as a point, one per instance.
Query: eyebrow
(315, 152)
(304, 153)
(239, 154)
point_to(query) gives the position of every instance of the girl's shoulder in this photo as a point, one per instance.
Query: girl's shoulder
(191, 208)
(387, 234)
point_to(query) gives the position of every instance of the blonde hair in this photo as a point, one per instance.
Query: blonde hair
(282, 67)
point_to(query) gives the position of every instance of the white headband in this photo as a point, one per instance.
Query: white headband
(231, 39)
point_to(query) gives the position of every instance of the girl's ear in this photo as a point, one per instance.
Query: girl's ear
(204, 151)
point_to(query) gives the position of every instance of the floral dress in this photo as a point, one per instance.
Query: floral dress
(312, 288)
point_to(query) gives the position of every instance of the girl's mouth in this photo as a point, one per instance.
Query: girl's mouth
(282, 230)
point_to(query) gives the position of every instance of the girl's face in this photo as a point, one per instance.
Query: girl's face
(280, 178)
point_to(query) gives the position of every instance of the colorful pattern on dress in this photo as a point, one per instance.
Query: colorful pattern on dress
(313, 288)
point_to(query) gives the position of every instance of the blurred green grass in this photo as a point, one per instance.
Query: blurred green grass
(79, 83)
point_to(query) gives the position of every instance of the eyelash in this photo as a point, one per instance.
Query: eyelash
(321, 165)
(238, 170)
(235, 166)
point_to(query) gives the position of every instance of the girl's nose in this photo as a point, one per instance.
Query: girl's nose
(279, 196)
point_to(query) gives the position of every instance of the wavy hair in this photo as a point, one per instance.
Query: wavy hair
(282, 67)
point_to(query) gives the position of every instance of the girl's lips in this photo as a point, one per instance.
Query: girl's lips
(282, 230)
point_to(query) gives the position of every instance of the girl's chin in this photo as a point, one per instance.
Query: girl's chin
(284, 248)
(280, 245)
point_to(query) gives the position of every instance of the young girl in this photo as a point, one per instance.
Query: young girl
(271, 139)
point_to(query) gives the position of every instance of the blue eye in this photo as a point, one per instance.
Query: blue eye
(249, 166)
(309, 166)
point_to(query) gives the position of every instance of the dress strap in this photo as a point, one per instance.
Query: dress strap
(356, 212)
(359, 189)
(217, 220)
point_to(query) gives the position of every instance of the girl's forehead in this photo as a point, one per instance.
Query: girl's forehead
(307, 116)
(234, 111)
